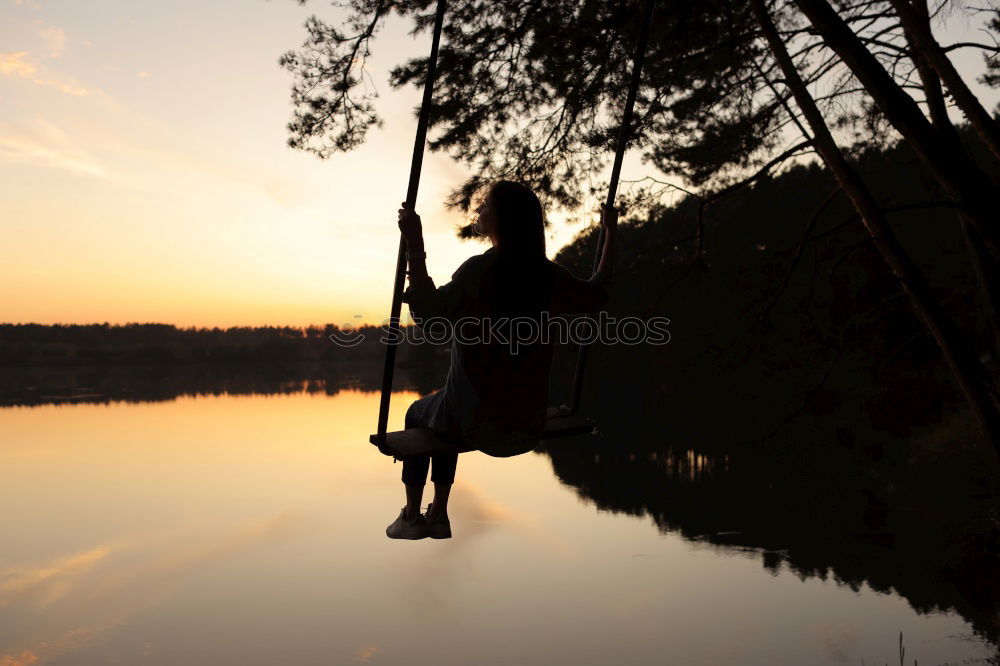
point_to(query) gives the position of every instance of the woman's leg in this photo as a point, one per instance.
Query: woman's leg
(414, 478)
(415, 469)
(443, 477)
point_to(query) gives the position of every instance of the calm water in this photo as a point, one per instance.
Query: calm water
(250, 530)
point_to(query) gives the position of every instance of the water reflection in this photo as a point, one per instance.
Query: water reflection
(138, 383)
(689, 465)
(249, 529)
(807, 520)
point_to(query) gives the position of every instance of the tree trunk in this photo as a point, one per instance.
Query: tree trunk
(985, 269)
(973, 191)
(918, 32)
(930, 80)
(963, 363)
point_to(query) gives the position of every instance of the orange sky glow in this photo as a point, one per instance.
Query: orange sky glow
(145, 175)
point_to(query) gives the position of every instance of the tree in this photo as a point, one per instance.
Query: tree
(513, 101)
(964, 366)
(973, 191)
(984, 267)
(916, 22)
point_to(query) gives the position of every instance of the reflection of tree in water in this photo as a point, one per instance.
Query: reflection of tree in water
(98, 362)
(924, 531)
(101, 384)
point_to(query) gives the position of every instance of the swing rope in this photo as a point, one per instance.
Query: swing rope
(411, 200)
(624, 134)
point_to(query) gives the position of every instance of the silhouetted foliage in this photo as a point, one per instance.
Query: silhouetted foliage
(533, 90)
(512, 100)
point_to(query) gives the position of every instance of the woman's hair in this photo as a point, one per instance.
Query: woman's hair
(521, 278)
(520, 225)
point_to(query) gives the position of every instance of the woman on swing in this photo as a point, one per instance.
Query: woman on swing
(496, 393)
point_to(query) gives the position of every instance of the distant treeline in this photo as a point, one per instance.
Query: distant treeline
(98, 344)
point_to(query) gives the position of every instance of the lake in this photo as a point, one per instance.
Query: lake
(249, 529)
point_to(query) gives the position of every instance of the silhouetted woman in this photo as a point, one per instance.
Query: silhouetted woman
(498, 307)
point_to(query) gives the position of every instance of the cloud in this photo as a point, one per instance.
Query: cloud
(15, 63)
(71, 640)
(19, 64)
(120, 132)
(109, 596)
(50, 581)
(364, 654)
(64, 87)
(49, 147)
(26, 658)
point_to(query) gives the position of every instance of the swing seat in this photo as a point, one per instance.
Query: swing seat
(404, 444)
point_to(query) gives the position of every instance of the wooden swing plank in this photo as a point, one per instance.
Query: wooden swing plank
(560, 423)
(403, 444)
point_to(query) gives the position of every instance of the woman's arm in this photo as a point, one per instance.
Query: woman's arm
(426, 300)
(412, 230)
(574, 296)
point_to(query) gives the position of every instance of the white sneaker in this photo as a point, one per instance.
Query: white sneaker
(437, 528)
(402, 528)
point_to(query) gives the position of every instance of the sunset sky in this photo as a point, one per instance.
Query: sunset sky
(144, 174)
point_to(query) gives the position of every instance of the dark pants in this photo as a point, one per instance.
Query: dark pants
(415, 469)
